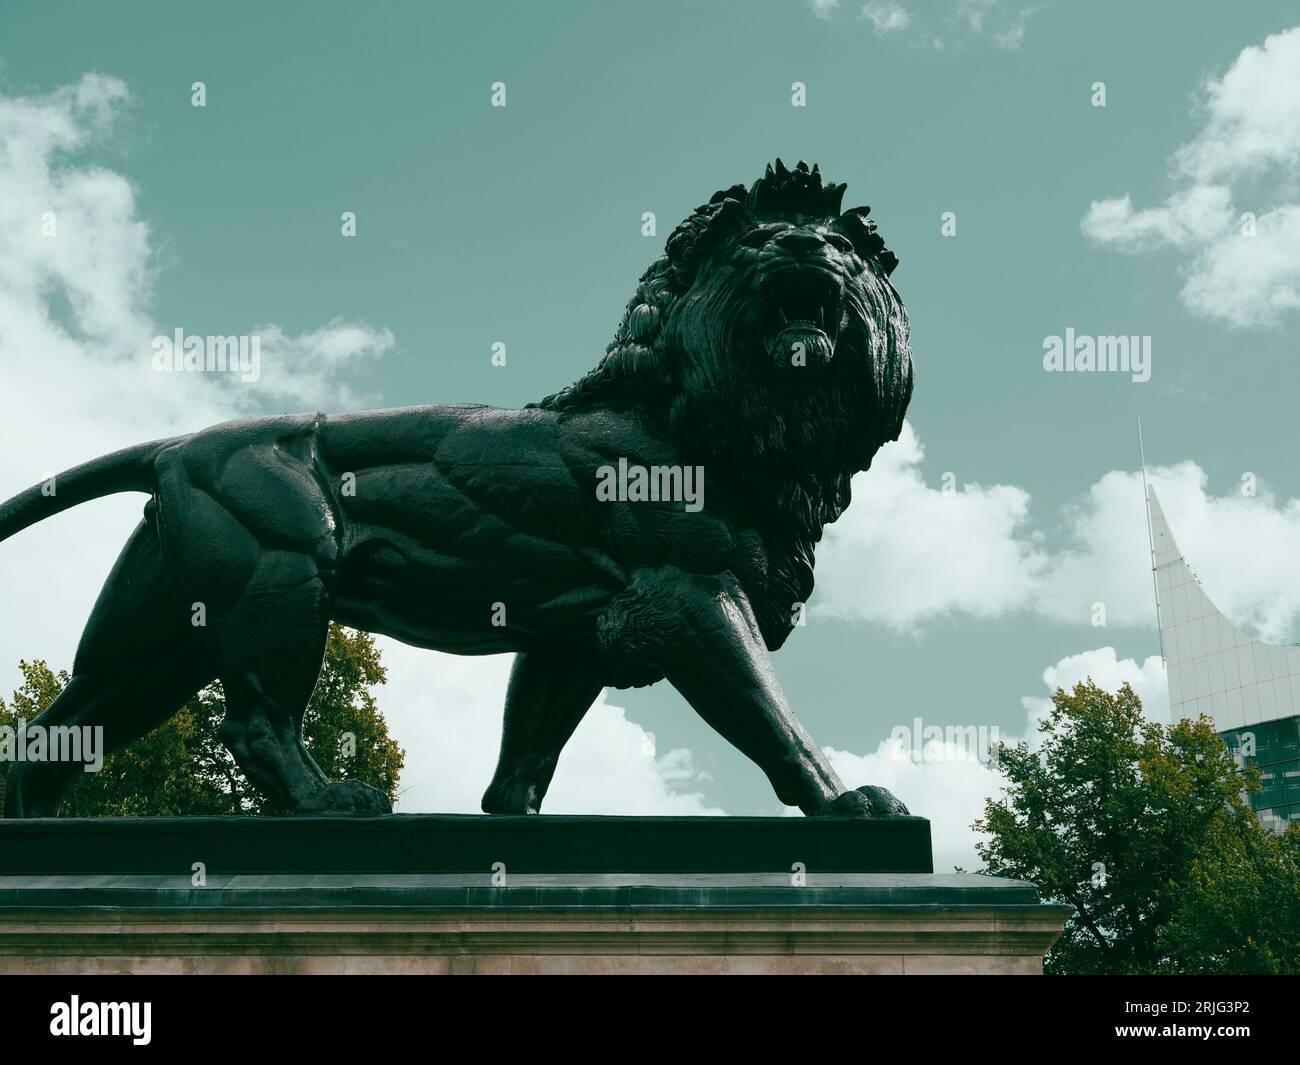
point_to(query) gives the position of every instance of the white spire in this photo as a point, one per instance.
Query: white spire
(1214, 668)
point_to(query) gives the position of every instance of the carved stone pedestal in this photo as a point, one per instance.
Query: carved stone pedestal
(538, 896)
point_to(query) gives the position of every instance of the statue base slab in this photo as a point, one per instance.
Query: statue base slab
(464, 843)
(539, 895)
(557, 923)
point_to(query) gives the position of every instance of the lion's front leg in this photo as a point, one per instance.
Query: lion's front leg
(711, 649)
(548, 696)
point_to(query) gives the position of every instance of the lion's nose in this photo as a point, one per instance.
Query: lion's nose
(800, 242)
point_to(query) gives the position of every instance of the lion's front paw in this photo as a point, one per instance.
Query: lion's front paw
(869, 800)
(349, 797)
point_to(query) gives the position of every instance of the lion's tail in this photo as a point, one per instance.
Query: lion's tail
(128, 470)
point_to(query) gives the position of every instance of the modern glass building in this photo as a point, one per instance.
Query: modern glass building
(1250, 689)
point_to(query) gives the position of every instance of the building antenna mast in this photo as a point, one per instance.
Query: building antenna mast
(1151, 540)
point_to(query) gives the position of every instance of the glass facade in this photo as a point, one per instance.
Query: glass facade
(1249, 688)
(1273, 746)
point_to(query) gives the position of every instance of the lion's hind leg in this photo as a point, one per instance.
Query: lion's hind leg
(269, 648)
(138, 662)
(121, 707)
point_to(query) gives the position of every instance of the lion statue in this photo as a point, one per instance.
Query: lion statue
(764, 357)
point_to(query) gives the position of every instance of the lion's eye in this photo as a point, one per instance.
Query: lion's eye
(756, 238)
(840, 243)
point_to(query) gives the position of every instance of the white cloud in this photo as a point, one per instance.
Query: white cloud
(1250, 281)
(1252, 116)
(1241, 547)
(1109, 672)
(886, 16)
(1013, 36)
(75, 344)
(317, 369)
(905, 553)
(75, 323)
(1192, 216)
(949, 785)
(945, 787)
(1001, 23)
(995, 21)
(446, 711)
(1242, 160)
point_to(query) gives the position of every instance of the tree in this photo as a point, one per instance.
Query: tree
(183, 768)
(1240, 911)
(1143, 829)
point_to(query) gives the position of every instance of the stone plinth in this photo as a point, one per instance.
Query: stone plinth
(557, 923)
(425, 894)
(464, 843)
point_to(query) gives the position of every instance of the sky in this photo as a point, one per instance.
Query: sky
(1042, 171)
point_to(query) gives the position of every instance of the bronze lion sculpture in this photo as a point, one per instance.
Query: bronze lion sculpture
(763, 360)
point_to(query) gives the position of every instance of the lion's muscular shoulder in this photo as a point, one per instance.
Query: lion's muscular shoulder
(698, 535)
(521, 479)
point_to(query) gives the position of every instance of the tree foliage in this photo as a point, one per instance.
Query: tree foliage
(182, 767)
(1144, 830)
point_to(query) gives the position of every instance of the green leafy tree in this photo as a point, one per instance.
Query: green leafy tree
(1240, 910)
(182, 767)
(1143, 829)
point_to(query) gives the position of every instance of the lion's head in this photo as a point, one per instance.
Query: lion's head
(769, 302)
(769, 337)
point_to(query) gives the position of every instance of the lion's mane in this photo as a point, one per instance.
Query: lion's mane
(789, 454)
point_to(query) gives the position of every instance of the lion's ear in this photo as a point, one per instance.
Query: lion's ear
(736, 192)
(728, 218)
(859, 228)
(710, 225)
(680, 250)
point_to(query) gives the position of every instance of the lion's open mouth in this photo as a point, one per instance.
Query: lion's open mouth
(804, 309)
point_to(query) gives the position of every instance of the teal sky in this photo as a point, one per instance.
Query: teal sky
(522, 225)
